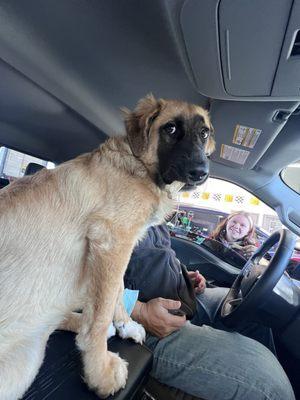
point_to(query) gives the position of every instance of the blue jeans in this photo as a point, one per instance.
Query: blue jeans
(217, 365)
(207, 308)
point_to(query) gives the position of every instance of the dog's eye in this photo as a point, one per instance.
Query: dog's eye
(170, 128)
(204, 133)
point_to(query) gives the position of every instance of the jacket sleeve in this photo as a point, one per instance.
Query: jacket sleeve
(153, 268)
(152, 273)
(155, 271)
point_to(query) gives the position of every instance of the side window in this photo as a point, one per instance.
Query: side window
(205, 207)
(200, 211)
(13, 163)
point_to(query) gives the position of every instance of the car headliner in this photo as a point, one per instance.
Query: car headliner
(67, 67)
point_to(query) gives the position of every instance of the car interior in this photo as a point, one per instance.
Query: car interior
(67, 67)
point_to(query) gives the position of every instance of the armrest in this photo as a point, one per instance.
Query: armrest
(60, 376)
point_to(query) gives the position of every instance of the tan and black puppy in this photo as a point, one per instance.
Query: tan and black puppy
(67, 235)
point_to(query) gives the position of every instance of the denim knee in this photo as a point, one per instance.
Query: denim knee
(214, 364)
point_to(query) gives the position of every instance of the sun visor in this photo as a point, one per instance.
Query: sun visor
(244, 50)
(245, 130)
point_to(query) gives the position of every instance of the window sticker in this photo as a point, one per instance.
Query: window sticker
(246, 136)
(234, 154)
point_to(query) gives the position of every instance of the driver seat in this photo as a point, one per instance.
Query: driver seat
(32, 168)
(159, 391)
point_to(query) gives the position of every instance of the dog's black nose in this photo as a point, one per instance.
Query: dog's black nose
(199, 173)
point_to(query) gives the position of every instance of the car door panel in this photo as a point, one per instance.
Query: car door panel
(195, 256)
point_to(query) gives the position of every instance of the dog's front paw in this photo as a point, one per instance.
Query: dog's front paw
(112, 378)
(131, 330)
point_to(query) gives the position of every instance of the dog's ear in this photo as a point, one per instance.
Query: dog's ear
(139, 121)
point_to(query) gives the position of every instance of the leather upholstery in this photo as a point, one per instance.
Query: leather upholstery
(60, 376)
(3, 182)
(160, 391)
(32, 168)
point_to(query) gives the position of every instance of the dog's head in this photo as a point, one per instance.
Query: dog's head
(172, 138)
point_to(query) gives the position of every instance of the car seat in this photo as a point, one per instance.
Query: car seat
(32, 168)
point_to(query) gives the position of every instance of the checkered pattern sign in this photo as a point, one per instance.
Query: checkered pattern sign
(217, 196)
(239, 199)
(196, 195)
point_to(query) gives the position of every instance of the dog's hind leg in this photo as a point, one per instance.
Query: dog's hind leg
(72, 322)
(20, 365)
(126, 327)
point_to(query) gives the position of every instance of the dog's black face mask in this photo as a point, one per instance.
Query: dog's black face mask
(181, 151)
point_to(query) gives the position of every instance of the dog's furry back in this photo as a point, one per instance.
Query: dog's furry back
(40, 238)
(44, 220)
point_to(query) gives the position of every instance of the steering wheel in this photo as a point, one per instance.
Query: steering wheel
(256, 281)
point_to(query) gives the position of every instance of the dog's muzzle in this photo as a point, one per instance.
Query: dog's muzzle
(192, 174)
(197, 174)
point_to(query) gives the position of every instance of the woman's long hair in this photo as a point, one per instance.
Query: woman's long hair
(220, 230)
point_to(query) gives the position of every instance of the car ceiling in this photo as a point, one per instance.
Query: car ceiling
(68, 66)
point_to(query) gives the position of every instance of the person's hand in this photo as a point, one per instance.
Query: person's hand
(246, 251)
(198, 281)
(249, 250)
(155, 317)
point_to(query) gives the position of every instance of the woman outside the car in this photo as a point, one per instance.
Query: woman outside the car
(237, 231)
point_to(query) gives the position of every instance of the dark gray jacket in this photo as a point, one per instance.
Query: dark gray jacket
(156, 272)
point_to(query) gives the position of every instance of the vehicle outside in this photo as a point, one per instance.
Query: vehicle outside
(13, 163)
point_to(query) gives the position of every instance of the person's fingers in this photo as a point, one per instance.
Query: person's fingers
(175, 321)
(192, 275)
(167, 331)
(198, 278)
(169, 304)
(200, 289)
(249, 248)
(201, 286)
(196, 272)
(201, 281)
(237, 246)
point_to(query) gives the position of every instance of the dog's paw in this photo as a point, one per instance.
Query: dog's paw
(131, 330)
(111, 331)
(113, 376)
